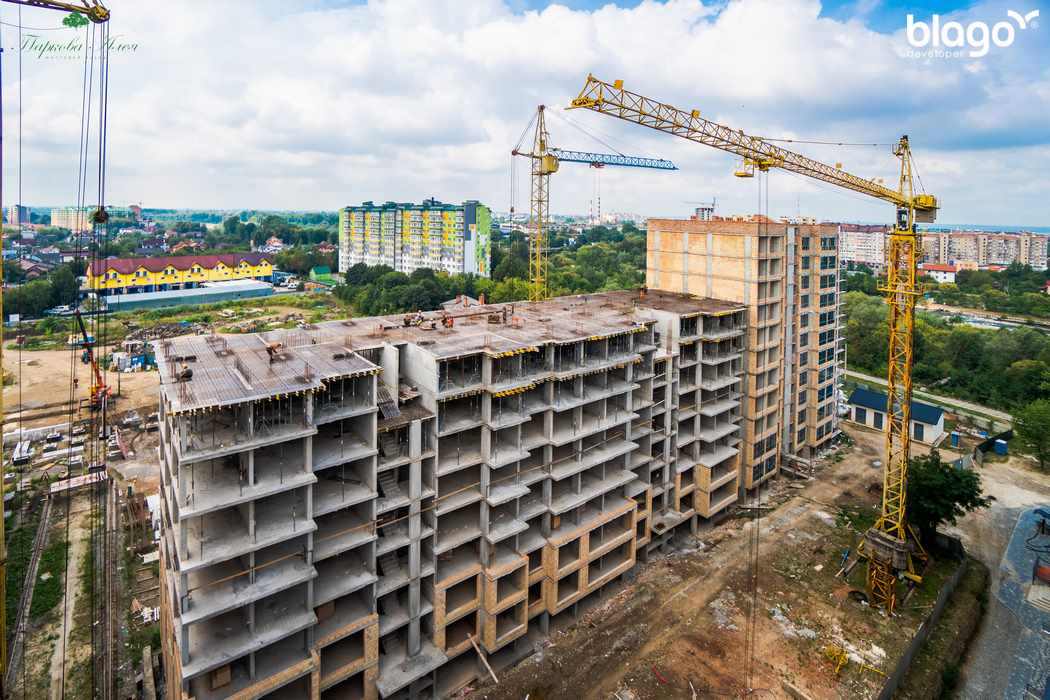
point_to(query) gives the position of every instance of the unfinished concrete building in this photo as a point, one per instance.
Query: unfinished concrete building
(380, 507)
(787, 275)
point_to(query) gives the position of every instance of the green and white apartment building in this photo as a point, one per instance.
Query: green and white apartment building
(453, 238)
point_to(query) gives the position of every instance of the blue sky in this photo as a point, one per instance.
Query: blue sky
(320, 104)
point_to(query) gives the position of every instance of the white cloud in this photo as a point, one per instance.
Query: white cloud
(232, 104)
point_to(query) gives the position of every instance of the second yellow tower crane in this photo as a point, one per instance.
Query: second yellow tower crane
(890, 545)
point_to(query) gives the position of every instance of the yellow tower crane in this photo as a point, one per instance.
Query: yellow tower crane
(97, 13)
(545, 160)
(890, 545)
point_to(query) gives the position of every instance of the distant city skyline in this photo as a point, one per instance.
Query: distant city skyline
(317, 106)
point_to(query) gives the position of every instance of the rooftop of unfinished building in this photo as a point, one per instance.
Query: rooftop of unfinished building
(231, 369)
(743, 222)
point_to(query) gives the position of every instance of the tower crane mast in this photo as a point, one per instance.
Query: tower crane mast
(545, 160)
(890, 546)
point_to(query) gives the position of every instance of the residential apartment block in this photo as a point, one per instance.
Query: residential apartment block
(76, 219)
(18, 214)
(863, 244)
(788, 277)
(447, 237)
(379, 507)
(983, 249)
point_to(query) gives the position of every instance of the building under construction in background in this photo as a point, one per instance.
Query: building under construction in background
(788, 276)
(388, 507)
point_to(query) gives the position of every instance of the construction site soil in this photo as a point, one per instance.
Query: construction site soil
(678, 630)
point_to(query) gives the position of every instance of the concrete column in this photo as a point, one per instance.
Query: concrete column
(415, 489)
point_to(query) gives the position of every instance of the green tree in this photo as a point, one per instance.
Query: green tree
(64, 287)
(1032, 424)
(939, 493)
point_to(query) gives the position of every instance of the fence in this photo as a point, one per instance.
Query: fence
(894, 679)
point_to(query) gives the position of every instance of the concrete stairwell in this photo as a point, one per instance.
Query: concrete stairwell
(388, 487)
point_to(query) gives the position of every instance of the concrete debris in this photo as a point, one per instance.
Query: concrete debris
(723, 608)
(789, 628)
(826, 518)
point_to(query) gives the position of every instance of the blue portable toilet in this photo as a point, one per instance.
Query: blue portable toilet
(1000, 447)
(955, 438)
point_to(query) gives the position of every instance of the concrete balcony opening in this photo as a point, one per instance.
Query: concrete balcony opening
(458, 489)
(459, 373)
(346, 611)
(459, 632)
(222, 587)
(224, 534)
(353, 688)
(461, 595)
(275, 417)
(510, 624)
(281, 657)
(568, 393)
(567, 589)
(504, 522)
(687, 379)
(344, 396)
(688, 326)
(342, 574)
(507, 411)
(689, 355)
(535, 399)
(459, 450)
(533, 434)
(344, 440)
(343, 485)
(567, 357)
(608, 566)
(348, 651)
(505, 447)
(343, 529)
(459, 414)
(213, 642)
(457, 562)
(459, 527)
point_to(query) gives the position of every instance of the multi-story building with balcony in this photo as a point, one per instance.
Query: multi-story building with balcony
(446, 237)
(787, 275)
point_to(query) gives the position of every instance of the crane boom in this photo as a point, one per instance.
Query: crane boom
(602, 159)
(612, 99)
(545, 160)
(92, 9)
(889, 545)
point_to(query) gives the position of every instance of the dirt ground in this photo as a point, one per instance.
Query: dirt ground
(678, 630)
(44, 396)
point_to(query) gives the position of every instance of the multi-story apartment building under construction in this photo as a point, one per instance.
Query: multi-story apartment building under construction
(787, 275)
(379, 507)
(447, 237)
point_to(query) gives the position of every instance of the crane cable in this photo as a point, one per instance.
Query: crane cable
(85, 119)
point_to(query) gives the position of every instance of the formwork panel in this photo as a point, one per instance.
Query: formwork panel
(499, 629)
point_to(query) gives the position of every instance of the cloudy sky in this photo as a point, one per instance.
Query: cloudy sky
(314, 105)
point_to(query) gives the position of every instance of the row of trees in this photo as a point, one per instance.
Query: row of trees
(600, 259)
(1016, 290)
(31, 299)
(1002, 369)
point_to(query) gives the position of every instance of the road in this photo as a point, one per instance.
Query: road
(957, 404)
